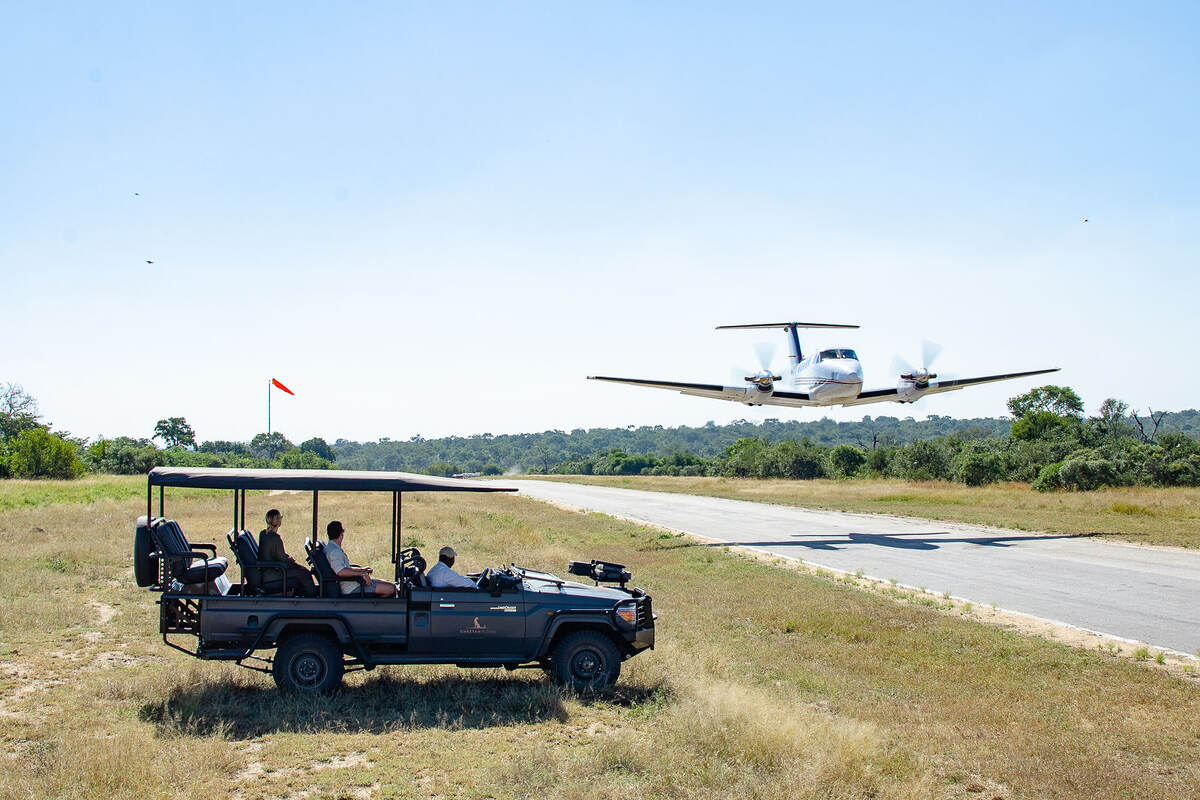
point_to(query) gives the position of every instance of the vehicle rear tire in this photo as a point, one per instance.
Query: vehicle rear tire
(308, 663)
(586, 661)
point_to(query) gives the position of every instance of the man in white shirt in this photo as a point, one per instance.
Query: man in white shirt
(441, 576)
(340, 563)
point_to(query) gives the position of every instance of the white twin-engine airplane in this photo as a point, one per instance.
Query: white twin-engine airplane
(827, 378)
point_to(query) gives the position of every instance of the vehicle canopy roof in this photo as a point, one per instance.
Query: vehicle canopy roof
(333, 480)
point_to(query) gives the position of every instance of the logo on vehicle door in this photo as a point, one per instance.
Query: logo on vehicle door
(476, 629)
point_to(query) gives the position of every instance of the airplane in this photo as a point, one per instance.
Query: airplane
(826, 378)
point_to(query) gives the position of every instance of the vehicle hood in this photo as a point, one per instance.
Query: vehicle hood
(576, 590)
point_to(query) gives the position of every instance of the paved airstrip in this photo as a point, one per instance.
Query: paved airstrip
(1140, 593)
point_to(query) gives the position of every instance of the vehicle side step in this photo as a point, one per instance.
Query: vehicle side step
(232, 654)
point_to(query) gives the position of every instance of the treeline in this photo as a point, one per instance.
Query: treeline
(1051, 445)
(528, 452)
(1047, 442)
(30, 448)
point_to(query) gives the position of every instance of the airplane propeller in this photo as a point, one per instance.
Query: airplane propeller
(920, 376)
(765, 377)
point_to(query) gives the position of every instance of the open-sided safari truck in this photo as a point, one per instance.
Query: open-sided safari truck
(578, 634)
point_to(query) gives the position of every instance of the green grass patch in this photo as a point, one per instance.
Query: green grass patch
(92, 489)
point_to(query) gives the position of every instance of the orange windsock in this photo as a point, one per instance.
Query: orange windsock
(281, 386)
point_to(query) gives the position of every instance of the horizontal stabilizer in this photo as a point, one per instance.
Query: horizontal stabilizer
(783, 325)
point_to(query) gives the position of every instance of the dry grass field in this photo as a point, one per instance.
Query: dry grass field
(767, 683)
(1137, 514)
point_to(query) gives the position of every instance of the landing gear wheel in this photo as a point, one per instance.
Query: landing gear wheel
(585, 661)
(307, 663)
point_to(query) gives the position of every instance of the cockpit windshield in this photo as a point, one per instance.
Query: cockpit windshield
(838, 353)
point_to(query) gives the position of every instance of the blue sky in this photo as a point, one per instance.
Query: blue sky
(437, 218)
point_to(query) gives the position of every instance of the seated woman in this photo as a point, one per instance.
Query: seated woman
(270, 548)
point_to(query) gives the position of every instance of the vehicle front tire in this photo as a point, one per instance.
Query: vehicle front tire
(307, 663)
(586, 661)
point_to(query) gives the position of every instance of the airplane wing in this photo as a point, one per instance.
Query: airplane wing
(712, 390)
(890, 395)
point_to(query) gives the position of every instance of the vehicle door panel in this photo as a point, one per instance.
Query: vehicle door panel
(472, 622)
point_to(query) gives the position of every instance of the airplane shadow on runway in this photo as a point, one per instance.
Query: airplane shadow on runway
(931, 540)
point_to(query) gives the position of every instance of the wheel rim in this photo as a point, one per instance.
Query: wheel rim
(308, 670)
(586, 665)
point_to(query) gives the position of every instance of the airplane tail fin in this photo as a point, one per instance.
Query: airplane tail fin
(791, 328)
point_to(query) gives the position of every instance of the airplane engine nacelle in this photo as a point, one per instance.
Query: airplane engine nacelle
(909, 391)
(757, 394)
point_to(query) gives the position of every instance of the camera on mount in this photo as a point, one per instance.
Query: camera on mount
(601, 571)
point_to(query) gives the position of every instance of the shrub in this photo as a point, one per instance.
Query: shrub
(921, 461)
(301, 459)
(38, 453)
(977, 469)
(746, 458)
(845, 460)
(1047, 479)
(1085, 474)
(797, 460)
(879, 460)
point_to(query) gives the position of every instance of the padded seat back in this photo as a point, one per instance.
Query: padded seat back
(330, 587)
(171, 542)
(177, 551)
(259, 580)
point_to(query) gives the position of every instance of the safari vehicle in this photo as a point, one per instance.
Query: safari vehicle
(578, 634)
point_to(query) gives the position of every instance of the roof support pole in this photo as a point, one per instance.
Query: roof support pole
(236, 492)
(149, 502)
(243, 525)
(160, 502)
(395, 559)
(314, 536)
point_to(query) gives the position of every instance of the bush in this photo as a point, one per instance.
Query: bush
(921, 461)
(795, 460)
(845, 460)
(38, 453)
(1085, 474)
(879, 460)
(977, 469)
(746, 458)
(1047, 479)
(297, 459)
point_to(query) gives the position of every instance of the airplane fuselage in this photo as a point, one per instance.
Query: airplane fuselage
(827, 380)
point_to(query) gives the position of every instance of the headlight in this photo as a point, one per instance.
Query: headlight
(626, 613)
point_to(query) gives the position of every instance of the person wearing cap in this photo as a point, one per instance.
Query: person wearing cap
(340, 563)
(442, 576)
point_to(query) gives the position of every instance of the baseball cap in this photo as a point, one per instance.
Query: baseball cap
(447, 552)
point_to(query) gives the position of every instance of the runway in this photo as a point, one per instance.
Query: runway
(1141, 593)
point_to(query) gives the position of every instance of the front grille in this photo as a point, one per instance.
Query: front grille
(645, 615)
